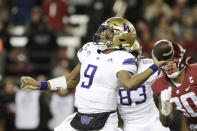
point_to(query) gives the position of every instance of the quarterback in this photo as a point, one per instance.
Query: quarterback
(177, 87)
(104, 66)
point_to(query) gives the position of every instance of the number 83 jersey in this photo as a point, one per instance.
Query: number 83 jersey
(96, 90)
(138, 105)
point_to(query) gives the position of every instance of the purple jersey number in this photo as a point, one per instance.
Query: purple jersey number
(126, 100)
(89, 73)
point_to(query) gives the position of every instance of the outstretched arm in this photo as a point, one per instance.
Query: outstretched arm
(166, 119)
(165, 107)
(63, 82)
(131, 82)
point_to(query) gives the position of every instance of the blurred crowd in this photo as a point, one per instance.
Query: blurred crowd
(40, 38)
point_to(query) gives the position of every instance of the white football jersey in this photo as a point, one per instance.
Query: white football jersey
(138, 105)
(96, 90)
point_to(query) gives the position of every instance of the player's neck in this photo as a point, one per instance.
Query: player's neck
(180, 78)
(108, 51)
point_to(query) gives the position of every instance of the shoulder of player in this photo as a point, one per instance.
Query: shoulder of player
(122, 54)
(87, 47)
(123, 57)
(159, 81)
(192, 66)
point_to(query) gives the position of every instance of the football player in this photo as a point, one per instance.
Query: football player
(137, 108)
(104, 66)
(177, 87)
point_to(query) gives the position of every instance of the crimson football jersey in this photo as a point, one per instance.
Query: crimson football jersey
(184, 97)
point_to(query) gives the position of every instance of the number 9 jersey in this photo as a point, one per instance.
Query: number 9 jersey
(96, 90)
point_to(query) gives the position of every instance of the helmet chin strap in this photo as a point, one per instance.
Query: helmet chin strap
(175, 74)
(102, 47)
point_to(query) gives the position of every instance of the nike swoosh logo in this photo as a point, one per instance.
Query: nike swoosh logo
(187, 88)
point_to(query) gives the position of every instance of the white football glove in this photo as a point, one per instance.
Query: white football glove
(165, 101)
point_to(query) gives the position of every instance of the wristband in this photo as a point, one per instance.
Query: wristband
(58, 83)
(43, 85)
(154, 68)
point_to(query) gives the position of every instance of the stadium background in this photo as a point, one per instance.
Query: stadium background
(40, 38)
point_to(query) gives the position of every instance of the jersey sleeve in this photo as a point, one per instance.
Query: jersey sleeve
(144, 64)
(85, 51)
(126, 62)
(156, 87)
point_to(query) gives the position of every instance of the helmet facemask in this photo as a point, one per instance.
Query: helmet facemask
(104, 37)
(172, 70)
(181, 61)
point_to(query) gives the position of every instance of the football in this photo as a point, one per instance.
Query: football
(163, 50)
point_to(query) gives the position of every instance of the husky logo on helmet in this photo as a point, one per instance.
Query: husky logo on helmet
(115, 33)
(126, 28)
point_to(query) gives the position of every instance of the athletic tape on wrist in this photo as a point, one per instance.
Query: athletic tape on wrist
(58, 83)
(153, 67)
(165, 108)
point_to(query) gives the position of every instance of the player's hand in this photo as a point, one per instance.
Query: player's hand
(165, 101)
(166, 94)
(157, 62)
(29, 83)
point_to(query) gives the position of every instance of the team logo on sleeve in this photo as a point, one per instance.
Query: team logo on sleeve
(80, 50)
(129, 61)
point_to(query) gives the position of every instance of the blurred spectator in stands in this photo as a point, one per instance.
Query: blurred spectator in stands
(183, 4)
(27, 110)
(7, 97)
(145, 37)
(2, 62)
(5, 7)
(42, 42)
(141, 25)
(36, 22)
(18, 62)
(61, 67)
(163, 29)
(4, 34)
(134, 10)
(55, 10)
(176, 22)
(39, 33)
(195, 19)
(147, 41)
(155, 10)
(61, 105)
(188, 20)
(99, 10)
(31, 110)
(190, 43)
(21, 11)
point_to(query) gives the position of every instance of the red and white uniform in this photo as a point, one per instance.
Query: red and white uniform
(184, 97)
